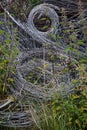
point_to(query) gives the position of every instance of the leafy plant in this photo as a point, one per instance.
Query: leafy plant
(72, 109)
(8, 53)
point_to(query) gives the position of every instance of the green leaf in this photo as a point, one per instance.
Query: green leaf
(1, 32)
(80, 42)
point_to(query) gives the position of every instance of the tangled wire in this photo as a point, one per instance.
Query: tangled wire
(41, 72)
(40, 75)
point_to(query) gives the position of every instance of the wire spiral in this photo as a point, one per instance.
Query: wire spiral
(41, 72)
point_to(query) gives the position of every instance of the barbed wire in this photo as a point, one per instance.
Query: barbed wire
(41, 72)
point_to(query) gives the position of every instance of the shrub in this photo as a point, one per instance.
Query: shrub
(8, 53)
